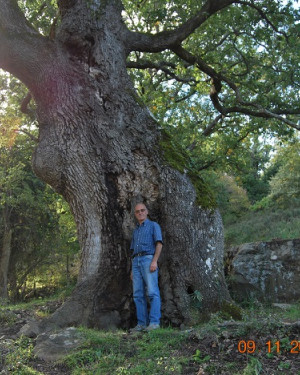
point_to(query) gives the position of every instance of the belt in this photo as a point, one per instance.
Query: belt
(140, 254)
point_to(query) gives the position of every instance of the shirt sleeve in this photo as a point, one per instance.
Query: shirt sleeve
(157, 235)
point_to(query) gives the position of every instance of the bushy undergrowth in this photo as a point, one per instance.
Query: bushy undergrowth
(264, 225)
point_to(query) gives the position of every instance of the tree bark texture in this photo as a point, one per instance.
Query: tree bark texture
(100, 148)
(5, 253)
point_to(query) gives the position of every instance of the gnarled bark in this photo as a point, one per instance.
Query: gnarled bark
(100, 149)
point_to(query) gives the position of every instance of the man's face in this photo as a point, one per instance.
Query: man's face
(141, 213)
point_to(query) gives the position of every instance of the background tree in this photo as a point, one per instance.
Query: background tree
(33, 240)
(285, 185)
(276, 214)
(100, 147)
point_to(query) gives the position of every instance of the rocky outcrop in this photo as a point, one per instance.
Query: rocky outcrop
(52, 347)
(268, 271)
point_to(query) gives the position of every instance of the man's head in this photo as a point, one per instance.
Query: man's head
(140, 212)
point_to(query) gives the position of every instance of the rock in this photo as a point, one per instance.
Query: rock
(52, 347)
(30, 329)
(268, 271)
(282, 306)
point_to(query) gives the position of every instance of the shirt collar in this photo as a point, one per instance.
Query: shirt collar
(143, 223)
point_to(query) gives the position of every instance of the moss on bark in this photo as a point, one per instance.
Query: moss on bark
(175, 156)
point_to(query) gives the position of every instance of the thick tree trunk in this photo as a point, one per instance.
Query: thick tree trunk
(100, 149)
(102, 153)
(5, 253)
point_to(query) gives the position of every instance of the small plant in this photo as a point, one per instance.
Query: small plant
(254, 367)
(284, 366)
(197, 299)
(17, 360)
(6, 317)
(293, 312)
(43, 313)
(200, 358)
(83, 357)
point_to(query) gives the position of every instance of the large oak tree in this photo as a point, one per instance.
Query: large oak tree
(100, 147)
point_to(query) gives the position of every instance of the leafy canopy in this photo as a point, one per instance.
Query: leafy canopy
(238, 80)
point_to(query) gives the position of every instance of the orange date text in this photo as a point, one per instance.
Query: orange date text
(250, 346)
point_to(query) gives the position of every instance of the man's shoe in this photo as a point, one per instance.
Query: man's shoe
(138, 328)
(151, 327)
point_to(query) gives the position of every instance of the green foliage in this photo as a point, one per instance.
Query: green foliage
(178, 158)
(276, 215)
(285, 185)
(264, 226)
(200, 357)
(242, 45)
(173, 152)
(44, 234)
(17, 359)
(40, 14)
(284, 366)
(196, 299)
(7, 318)
(293, 312)
(171, 351)
(232, 199)
(254, 367)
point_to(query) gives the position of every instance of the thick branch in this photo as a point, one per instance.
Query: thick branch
(205, 68)
(247, 108)
(169, 39)
(21, 46)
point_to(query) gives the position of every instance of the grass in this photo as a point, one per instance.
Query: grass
(264, 226)
(34, 303)
(17, 359)
(293, 312)
(170, 351)
(159, 352)
(118, 353)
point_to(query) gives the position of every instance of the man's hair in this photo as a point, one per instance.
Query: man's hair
(140, 203)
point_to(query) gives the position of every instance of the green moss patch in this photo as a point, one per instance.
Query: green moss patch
(176, 157)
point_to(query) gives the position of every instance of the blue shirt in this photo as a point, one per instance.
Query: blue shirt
(145, 237)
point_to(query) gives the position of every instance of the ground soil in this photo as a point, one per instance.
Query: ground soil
(226, 349)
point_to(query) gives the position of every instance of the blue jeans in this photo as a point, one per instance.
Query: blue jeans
(145, 283)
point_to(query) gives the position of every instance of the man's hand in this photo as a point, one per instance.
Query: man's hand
(153, 266)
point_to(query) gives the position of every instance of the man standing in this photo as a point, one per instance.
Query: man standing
(146, 245)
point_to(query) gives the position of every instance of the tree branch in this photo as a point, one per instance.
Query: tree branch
(21, 46)
(263, 16)
(244, 106)
(205, 68)
(168, 39)
(147, 64)
(262, 112)
(31, 136)
(211, 127)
